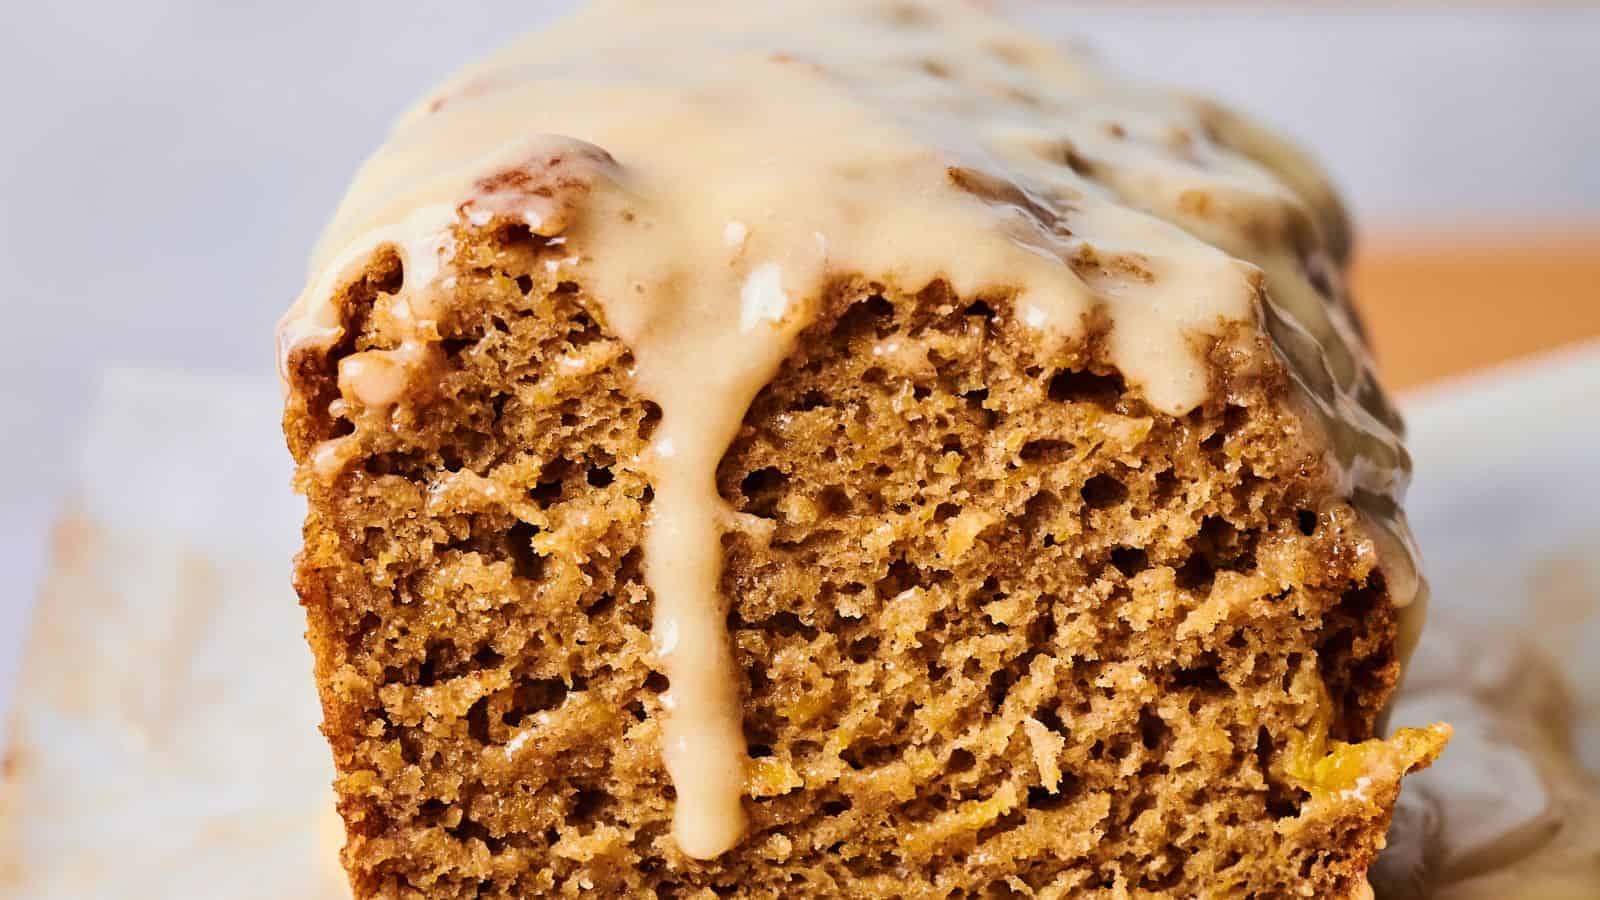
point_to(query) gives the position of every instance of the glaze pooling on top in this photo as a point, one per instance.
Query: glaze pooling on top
(713, 170)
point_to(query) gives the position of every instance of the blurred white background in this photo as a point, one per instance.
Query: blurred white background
(166, 164)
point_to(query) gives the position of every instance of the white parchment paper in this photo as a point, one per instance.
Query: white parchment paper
(163, 738)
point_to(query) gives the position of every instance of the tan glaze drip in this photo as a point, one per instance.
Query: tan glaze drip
(753, 157)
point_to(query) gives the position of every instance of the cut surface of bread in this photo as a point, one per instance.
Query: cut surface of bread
(686, 529)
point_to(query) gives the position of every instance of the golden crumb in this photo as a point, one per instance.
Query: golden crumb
(1002, 629)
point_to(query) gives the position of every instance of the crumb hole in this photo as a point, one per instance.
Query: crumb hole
(533, 697)
(1043, 799)
(1153, 729)
(478, 721)
(648, 422)
(1086, 387)
(1196, 575)
(762, 489)
(863, 649)
(1104, 491)
(518, 234)
(1130, 561)
(961, 760)
(834, 501)
(787, 624)
(1000, 684)
(1204, 678)
(870, 316)
(1045, 451)
(587, 806)
(525, 561)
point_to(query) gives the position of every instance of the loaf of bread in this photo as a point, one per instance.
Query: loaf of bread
(842, 449)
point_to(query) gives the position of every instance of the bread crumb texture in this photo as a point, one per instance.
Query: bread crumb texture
(1002, 629)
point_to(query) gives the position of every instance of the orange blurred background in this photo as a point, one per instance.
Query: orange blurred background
(1439, 303)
